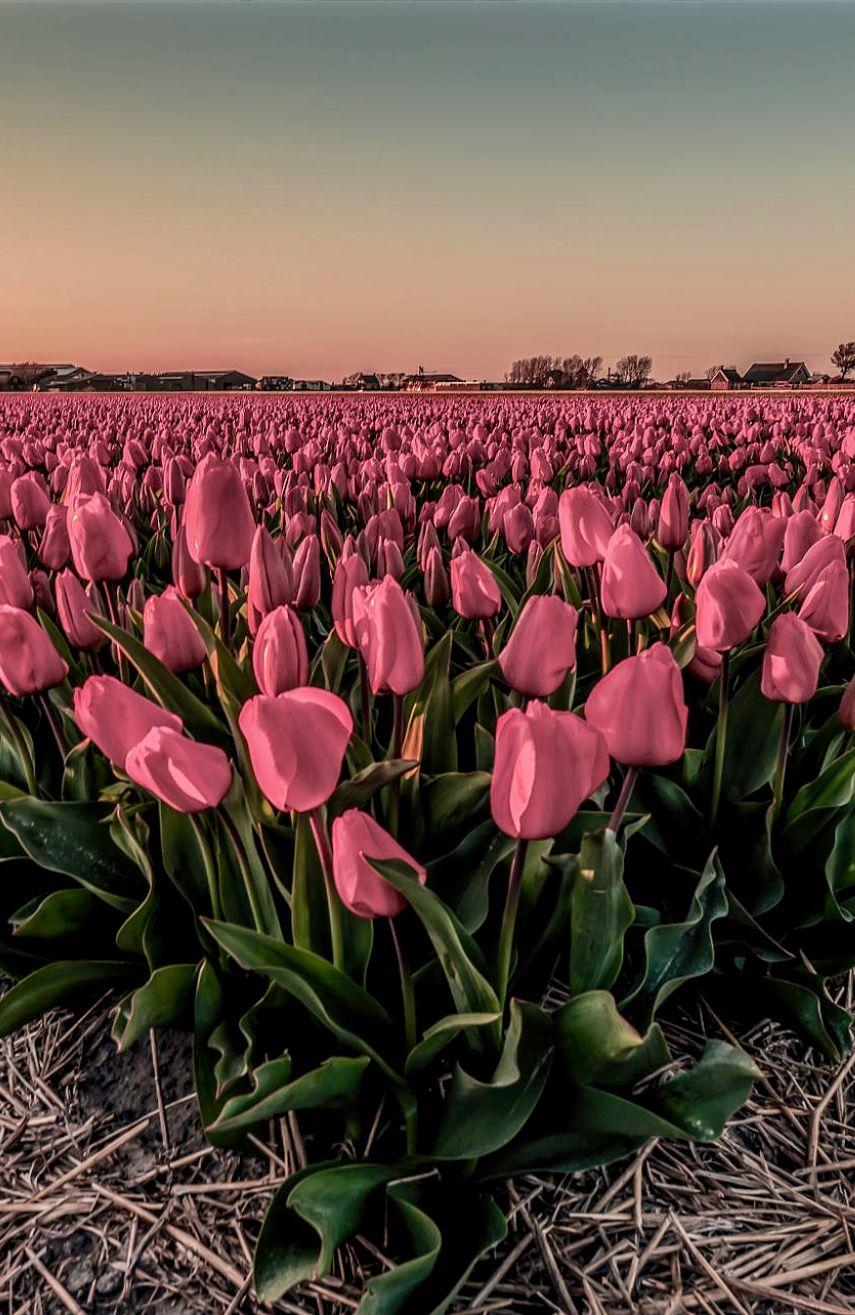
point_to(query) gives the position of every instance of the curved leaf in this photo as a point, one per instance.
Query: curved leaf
(601, 912)
(56, 984)
(335, 1083)
(165, 1000)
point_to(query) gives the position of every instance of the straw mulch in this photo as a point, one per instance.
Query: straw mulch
(110, 1200)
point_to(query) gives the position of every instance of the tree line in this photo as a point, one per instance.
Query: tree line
(577, 371)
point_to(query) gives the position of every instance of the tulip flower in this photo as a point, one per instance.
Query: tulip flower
(542, 647)
(30, 502)
(55, 548)
(187, 776)
(728, 605)
(437, 582)
(74, 607)
(187, 575)
(630, 586)
(586, 527)
(474, 591)
(350, 574)
(169, 632)
(307, 574)
(640, 710)
(296, 744)
(217, 516)
(846, 710)
(546, 765)
(280, 658)
(804, 574)
(755, 543)
(270, 583)
(356, 840)
(673, 526)
(826, 607)
(29, 663)
(100, 543)
(15, 587)
(115, 718)
(389, 637)
(791, 662)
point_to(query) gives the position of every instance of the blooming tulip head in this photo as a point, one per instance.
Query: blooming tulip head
(29, 663)
(673, 524)
(356, 840)
(187, 776)
(169, 632)
(755, 542)
(350, 574)
(270, 581)
(791, 661)
(100, 542)
(474, 591)
(280, 658)
(728, 605)
(542, 647)
(296, 744)
(115, 718)
(546, 765)
(586, 527)
(74, 608)
(15, 587)
(640, 710)
(631, 587)
(389, 637)
(217, 516)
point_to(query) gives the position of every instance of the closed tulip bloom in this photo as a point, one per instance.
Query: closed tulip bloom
(217, 515)
(437, 583)
(755, 542)
(673, 526)
(280, 658)
(389, 637)
(30, 502)
(74, 607)
(115, 718)
(518, 528)
(15, 587)
(804, 574)
(350, 574)
(307, 574)
(791, 661)
(631, 587)
(55, 548)
(474, 591)
(187, 776)
(29, 663)
(640, 710)
(846, 710)
(546, 765)
(542, 647)
(728, 605)
(296, 745)
(826, 607)
(269, 584)
(169, 632)
(586, 527)
(802, 532)
(100, 543)
(188, 575)
(356, 839)
(703, 550)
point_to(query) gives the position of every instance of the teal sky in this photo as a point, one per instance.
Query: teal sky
(336, 184)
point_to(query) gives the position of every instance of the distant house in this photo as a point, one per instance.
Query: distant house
(275, 383)
(690, 385)
(312, 386)
(360, 382)
(226, 381)
(725, 379)
(10, 381)
(777, 374)
(423, 383)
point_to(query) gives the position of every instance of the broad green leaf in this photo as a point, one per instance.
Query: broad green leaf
(73, 912)
(753, 735)
(440, 1035)
(56, 984)
(598, 1047)
(75, 839)
(361, 788)
(333, 1085)
(454, 798)
(468, 687)
(480, 1117)
(804, 1006)
(601, 912)
(701, 1100)
(809, 812)
(461, 878)
(165, 1000)
(396, 1289)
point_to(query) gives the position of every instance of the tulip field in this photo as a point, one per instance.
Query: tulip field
(417, 755)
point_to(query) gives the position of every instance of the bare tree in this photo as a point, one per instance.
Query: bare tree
(632, 371)
(713, 370)
(30, 372)
(537, 371)
(843, 357)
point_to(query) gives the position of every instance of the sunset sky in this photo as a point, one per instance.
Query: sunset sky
(318, 187)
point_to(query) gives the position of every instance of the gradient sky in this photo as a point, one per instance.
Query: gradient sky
(312, 188)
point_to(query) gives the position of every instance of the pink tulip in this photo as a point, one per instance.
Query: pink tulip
(270, 583)
(307, 574)
(15, 587)
(791, 661)
(846, 710)
(187, 776)
(169, 632)
(356, 839)
(100, 543)
(30, 502)
(673, 526)
(55, 548)
(755, 543)
(542, 647)
(350, 574)
(728, 605)
(217, 516)
(29, 663)
(74, 608)
(586, 527)
(546, 765)
(640, 710)
(296, 745)
(630, 587)
(280, 658)
(474, 591)
(187, 575)
(389, 637)
(115, 718)
(826, 607)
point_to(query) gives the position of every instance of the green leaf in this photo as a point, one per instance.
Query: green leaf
(461, 878)
(75, 839)
(601, 912)
(457, 952)
(57, 984)
(480, 1117)
(701, 1100)
(334, 999)
(307, 1222)
(804, 1006)
(809, 812)
(454, 798)
(753, 735)
(429, 712)
(440, 1035)
(599, 1047)
(335, 1084)
(165, 1000)
(167, 688)
(65, 913)
(395, 1289)
(356, 792)
(676, 951)
(468, 687)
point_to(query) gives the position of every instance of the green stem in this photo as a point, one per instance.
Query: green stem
(319, 831)
(623, 799)
(397, 746)
(364, 699)
(223, 601)
(408, 995)
(21, 746)
(783, 753)
(720, 737)
(210, 867)
(509, 919)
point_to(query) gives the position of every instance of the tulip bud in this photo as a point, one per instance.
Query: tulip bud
(474, 591)
(280, 658)
(546, 765)
(673, 525)
(437, 583)
(630, 587)
(791, 661)
(542, 647)
(728, 605)
(15, 587)
(100, 543)
(187, 776)
(640, 710)
(296, 745)
(586, 527)
(307, 574)
(115, 718)
(74, 607)
(755, 543)
(350, 574)
(187, 575)
(29, 663)
(55, 548)
(217, 516)
(270, 583)
(389, 637)
(30, 502)
(356, 840)
(826, 607)
(846, 710)
(169, 632)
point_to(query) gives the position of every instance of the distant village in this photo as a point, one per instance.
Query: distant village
(631, 373)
